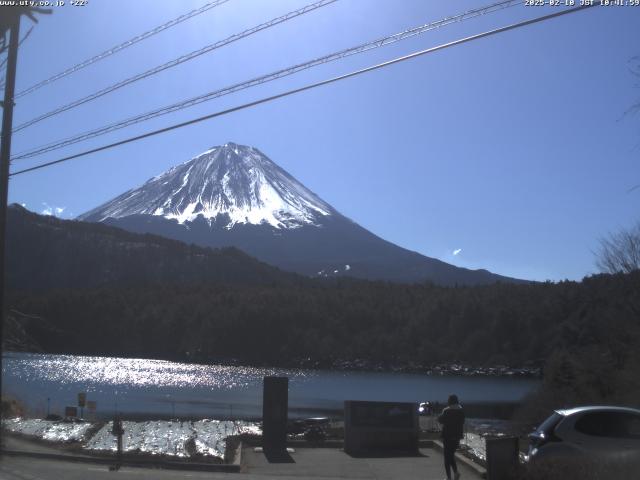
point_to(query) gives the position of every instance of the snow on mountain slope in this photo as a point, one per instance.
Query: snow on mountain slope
(233, 195)
(231, 183)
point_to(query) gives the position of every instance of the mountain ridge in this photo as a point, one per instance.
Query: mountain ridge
(234, 195)
(46, 252)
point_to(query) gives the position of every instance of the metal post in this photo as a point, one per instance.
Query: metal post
(5, 154)
(119, 453)
(118, 431)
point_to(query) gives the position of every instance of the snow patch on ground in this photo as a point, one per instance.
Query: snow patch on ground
(158, 437)
(53, 431)
(174, 438)
(474, 443)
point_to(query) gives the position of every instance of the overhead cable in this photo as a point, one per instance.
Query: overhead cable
(122, 46)
(310, 86)
(377, 43)
(175, 62)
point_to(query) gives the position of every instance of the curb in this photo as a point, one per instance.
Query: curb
(479, 469)
(206, 467)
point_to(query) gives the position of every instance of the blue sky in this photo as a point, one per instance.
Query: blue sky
(512, 153)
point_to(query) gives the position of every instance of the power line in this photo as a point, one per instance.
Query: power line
(377, 43)
(175, 62)
(309, 86)
(122, 46)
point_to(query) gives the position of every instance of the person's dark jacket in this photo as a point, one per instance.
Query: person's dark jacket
(452, 420)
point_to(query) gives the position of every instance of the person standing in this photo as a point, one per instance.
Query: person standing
(452, 420)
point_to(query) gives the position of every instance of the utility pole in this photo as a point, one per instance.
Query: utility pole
(5, 152)
(10, 22)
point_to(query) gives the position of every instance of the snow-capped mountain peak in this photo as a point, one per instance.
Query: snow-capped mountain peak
(232, 183)
(233, 195)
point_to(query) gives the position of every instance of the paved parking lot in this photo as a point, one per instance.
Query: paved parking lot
(331, 463)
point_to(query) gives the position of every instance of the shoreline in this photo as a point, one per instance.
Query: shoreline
(454, 369)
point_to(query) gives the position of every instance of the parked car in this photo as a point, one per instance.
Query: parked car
(603, 434)
(425, 409)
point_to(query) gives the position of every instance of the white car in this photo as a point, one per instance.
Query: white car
(596, 433)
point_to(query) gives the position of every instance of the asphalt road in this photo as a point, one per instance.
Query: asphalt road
(318, 464)
(22, 468)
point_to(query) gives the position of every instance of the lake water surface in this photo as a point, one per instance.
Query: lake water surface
(158, 388)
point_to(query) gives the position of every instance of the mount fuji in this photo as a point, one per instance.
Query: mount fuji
(234, 195)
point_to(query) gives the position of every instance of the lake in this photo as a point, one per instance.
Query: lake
(158, 388)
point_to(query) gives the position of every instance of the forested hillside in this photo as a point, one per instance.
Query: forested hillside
(45, 252)
(380, 322)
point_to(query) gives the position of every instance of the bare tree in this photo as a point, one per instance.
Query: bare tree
(620, 251)
(635, 108)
